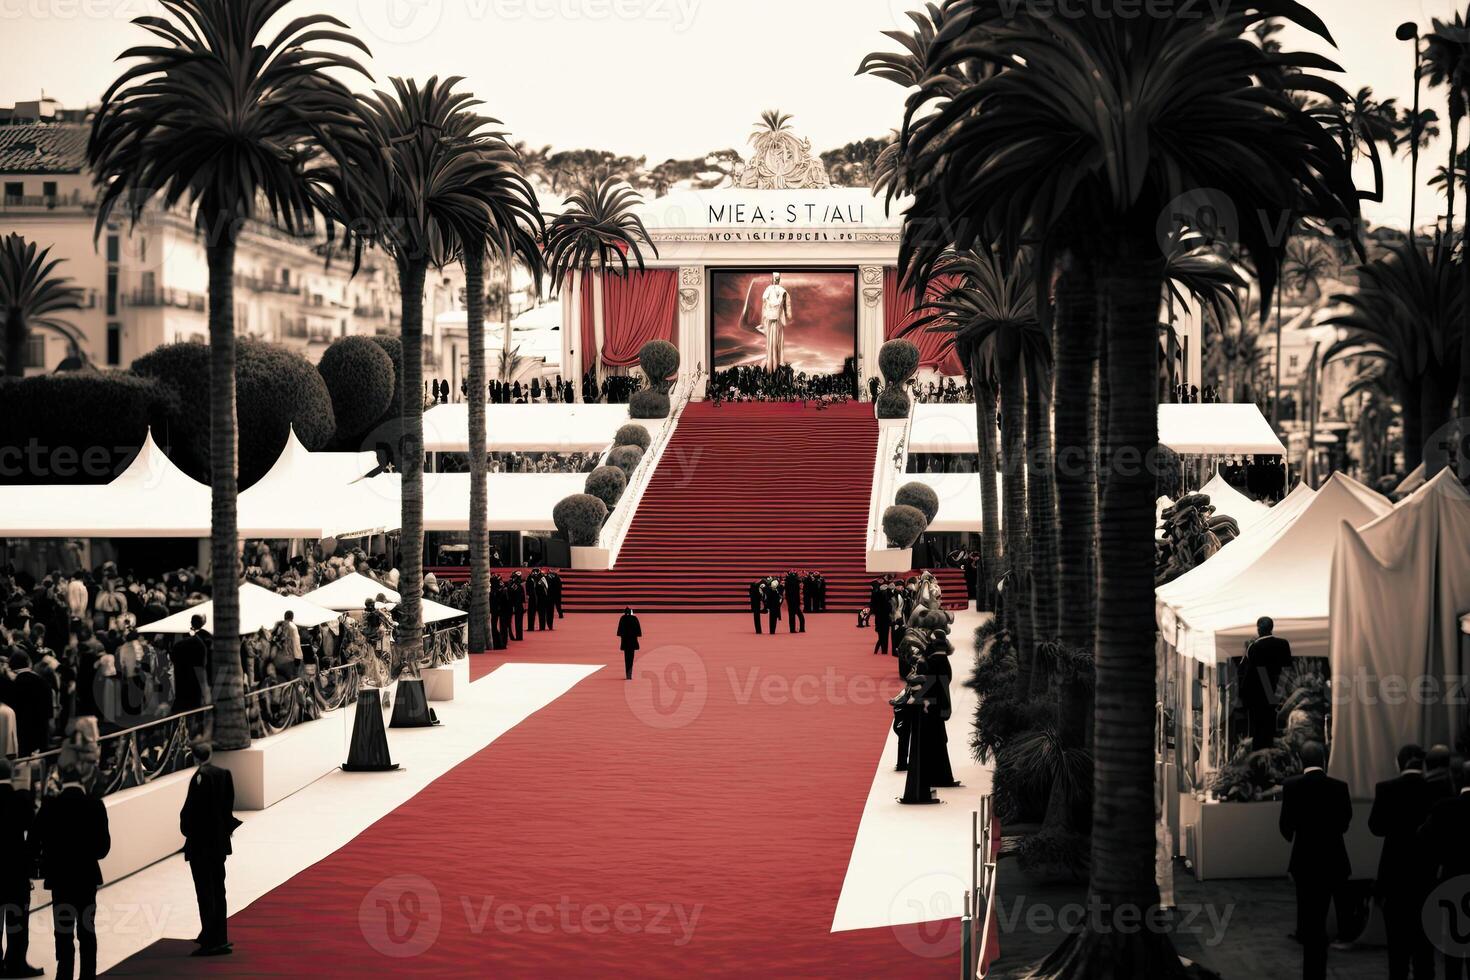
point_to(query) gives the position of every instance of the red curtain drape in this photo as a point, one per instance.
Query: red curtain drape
(936, 348)
(637, 308)
(588, 350)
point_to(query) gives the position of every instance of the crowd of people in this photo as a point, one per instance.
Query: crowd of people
(537, 391)
(941, 463)
(800, 592)
(615, 389)
(749, 383)
(517, 462)
(519, 604)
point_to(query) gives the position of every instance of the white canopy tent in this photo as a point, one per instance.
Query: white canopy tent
(560, 427)
(959, 500)
(517, 501)
(1399, 588)
(1287, 579)
(1232, 503)
(152, 498)
(316, 495)
(351, 592)
(259, 609)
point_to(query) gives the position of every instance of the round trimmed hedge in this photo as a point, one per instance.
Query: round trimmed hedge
(633, 434)
(79, 426)
(893, 403)
(920, 496)
(579, 518)
(903, 525)
(659, 360)
(361, 380)
(275, 389)
(649, 404)
(393, 347)
(898, 360)
(607, 484)
(626, 458)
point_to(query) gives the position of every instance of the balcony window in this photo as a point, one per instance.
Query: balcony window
(114, 247)
(114, 344)
(14, 191)
(35, 356)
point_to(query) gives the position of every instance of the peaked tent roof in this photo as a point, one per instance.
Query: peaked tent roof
(259, 609)
(1399, 588)
(316, 495)
(351, 592)
(1288, 580)
(1231, 502)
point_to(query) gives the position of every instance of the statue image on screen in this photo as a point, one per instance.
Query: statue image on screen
(802, 319)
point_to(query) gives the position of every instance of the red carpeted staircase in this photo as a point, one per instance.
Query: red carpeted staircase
(742, 491)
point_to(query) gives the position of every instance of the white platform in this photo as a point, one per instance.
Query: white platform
(144, 823)
(274, 768)
(441, 683)
(890, 559)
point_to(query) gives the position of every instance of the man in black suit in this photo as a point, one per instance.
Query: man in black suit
(794, 612)
(878, 601)
(1447, 842)
(1260, 672)
(534, 586)
(188, 657)
(31, 700)
(772, 590)
(553, 580)
(1406, 868)
(755, 605)
(207, 821)
(69, 838)
(517, 595)
(1315, 813)
(16, 812)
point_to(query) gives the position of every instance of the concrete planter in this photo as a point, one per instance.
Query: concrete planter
(591, 559)
(893, 423)
(891, 560)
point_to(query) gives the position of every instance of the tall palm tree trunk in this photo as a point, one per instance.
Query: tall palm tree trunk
(227, 677)
(1413, 427)
(1436, 401)
(1449, 226)
(1041, 498)
(1013, 469)
(411, 276)
(1075, 347)
(989, 494)
(474, 284)
(15, 343)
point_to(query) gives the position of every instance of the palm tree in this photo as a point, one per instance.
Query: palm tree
(1407, 313)
(225, 120)
(415, 184)
(1447, 63)
(598, 226)
(1100, 124)
(33, 297)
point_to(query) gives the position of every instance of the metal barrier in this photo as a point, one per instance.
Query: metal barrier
(274, 709)
(126, 759)
(977, 927)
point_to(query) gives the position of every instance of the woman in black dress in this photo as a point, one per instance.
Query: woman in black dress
(628, 632)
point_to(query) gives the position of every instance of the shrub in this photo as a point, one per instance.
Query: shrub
(85, 425)
(633, 434)
(649, 404)
(626, 458)
(361, 379)
(659, 360)
(903, 525)
(607, 484)
(393, 347)
(276, 389)
(893, 403)
(579, 518)
(920, 496)
(898, 360)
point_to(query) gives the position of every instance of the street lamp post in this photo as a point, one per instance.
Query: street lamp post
(1409, 31)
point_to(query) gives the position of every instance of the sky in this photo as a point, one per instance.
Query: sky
(660, 78)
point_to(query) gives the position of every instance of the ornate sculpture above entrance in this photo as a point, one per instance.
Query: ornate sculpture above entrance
(782, 160)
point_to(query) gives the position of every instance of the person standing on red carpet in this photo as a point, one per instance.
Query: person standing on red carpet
(207, 821)
(755, 605)
(772, 589)
(794, 613)
(629, 630)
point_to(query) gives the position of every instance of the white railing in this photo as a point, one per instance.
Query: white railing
(615, 531)
(889, 465)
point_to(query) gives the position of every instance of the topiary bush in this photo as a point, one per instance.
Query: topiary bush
(898, 360)
(892, 403)
(920, 496)
(659, 360)
(276, 389)
(361, 379)
(649, 404)
(626, 458)
(903, 525)
(393, 347)
(633, 434)
(607, 484)
(78, 427)
(579, 518)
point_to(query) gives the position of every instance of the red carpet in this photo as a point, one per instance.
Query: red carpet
(695, 823)
(742, 491)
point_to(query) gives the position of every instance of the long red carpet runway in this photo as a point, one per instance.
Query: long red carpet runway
(694, 822)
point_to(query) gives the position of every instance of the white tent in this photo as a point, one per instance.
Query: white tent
(350, 593)
(1399, 588)
(316, 495)
(259, 609)
(560, 427)
(1410, 483)
(1232, 503)
(1217, 430)
(516, 501)
(152, 498)
(1287, 580)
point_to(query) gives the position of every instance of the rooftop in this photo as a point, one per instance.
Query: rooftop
(43, 148)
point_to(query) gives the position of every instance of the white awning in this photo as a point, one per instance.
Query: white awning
(350, 593)
(560, 427)
(959, 500)
(517, 501)
(260, 609)
(316, 495)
